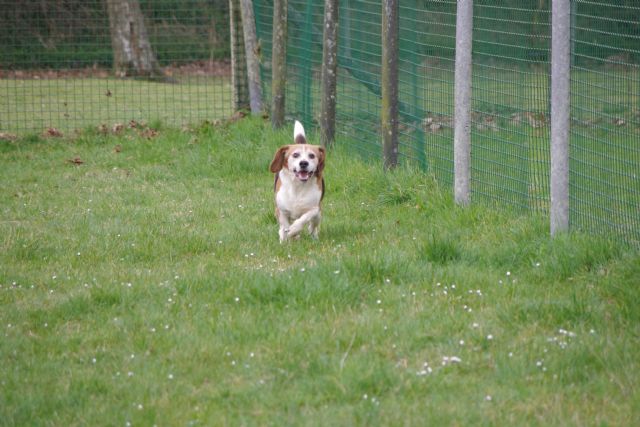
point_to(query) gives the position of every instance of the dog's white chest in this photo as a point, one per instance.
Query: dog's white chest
(295, 198)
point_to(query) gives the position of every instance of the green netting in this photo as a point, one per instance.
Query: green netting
(511, 80)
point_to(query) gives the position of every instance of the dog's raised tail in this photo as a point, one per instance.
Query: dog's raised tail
(299, 136)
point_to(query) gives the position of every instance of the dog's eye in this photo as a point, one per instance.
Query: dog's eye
(296, 155)
(312, 156)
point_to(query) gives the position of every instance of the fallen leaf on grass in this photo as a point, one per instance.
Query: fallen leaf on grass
(52, 132)
(6, 136)
(149, 133)
(117, 128)
(117, 148)
(237, 116)
(76, 161)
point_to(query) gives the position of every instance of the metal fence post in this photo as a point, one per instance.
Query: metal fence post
(389, 83)
(560, 114)
(462, 119)
(329, 73)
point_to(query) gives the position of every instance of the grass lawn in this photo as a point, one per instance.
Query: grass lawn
(32, 105)
(142, 283)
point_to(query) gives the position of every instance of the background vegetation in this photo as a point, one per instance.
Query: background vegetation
(75, 33)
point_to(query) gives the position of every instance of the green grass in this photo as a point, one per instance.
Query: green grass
(31, 105)
(147, 286)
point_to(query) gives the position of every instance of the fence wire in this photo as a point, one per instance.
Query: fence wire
(57, 61)
(511, 99)
(56, 65)
(605, 133)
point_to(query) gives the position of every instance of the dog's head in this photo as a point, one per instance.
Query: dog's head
(302, 160)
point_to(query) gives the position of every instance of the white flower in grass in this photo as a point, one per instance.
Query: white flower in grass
(489, 337)
(488, 398)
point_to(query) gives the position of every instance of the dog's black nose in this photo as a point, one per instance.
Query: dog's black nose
(304, 164)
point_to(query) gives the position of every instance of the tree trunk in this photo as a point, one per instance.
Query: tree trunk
(278, 62)
(252, 51)
(239, 81)
(329, 73)
(132, 53)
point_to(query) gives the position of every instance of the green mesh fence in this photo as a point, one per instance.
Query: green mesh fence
(56, 65)
(511, 79)
(605, 133)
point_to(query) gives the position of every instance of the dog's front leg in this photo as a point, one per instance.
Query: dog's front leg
(314, 225)
(283, 220)
(298, 224)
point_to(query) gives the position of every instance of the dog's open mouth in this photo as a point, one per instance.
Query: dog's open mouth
(303, 175)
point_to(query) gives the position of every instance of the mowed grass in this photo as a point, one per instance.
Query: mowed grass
(32, 105)
(142, 283)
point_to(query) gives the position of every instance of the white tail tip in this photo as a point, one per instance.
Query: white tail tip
(298, 130)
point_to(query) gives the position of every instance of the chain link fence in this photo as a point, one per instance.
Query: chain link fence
(510, 103)
(58, 70)
(57, 63)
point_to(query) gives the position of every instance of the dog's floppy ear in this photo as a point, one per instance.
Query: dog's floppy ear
(321, 157)
(278, 160)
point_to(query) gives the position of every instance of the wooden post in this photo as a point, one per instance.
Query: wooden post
(252, 52)
(329, 73)
(278, 62)
(239, 82)
(389, 83)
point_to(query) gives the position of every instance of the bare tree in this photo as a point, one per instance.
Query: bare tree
(252, 52)
(278, 62)
(329, 73)
(132, 53)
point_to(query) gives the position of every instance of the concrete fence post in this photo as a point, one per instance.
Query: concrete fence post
(462, 119)
(560, 114)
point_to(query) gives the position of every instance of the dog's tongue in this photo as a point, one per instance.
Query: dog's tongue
(303, 175)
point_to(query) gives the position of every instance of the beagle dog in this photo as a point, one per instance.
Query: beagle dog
(299, 186)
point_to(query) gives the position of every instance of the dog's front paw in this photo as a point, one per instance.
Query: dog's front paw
(284, 234)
